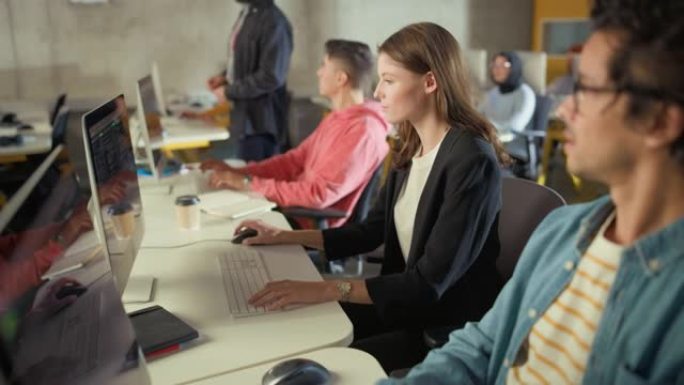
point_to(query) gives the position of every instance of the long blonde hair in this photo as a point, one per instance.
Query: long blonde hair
(425, 47)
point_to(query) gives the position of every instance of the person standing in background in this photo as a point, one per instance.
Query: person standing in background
(259, 51)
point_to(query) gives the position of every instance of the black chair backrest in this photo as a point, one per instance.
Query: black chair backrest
(59, 103)
(542, 109)
(363, 206)
(303, 118)
(59, 126)
(524, 205)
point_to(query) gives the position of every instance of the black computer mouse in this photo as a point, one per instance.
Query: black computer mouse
(70, 289)
(244, 234)
(24, 126)
(297, 371)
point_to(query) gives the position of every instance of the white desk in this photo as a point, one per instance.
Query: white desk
(348, 367)
(189, 284)
(33, 144)
(27, 111)
(179, 131)
(36, 141)
(160, 215)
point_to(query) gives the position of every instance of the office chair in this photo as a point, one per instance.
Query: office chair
(321, 216)
(525, 148)
(524, 205)
(358, 214)
(59, 103)
(304, 115)
(59, 126)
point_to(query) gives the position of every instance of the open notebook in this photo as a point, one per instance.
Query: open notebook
(233, 205)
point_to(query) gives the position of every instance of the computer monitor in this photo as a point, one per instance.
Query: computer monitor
(158, 91)
(149, 133)
(61, 314)
(112, 173)
(150, 107)
(143, 137)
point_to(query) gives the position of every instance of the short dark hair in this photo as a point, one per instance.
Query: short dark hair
(356, 57)
(648, 63)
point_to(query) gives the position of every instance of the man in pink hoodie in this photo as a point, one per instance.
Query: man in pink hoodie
(334, 164)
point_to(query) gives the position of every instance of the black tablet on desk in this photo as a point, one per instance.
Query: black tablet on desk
(159, 332)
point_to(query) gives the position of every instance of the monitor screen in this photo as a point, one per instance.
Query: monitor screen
(112, 171)
(150, 108)
(158, 91)
(151, 159)
(61, 313)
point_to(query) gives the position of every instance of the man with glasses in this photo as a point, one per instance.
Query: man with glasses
(598, 294)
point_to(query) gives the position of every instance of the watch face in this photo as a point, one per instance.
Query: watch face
(345, 289)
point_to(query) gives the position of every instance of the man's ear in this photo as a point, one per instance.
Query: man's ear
(668, 127)
(430, 83)
(342, 78)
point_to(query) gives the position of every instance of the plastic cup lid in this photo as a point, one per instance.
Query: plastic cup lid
(120, 208)
(187, 200)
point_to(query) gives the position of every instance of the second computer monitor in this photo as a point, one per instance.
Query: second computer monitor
(143, 137)
(150, 107)
(158, 90)
(112, 170)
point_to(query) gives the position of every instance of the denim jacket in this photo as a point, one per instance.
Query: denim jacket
(640, 339)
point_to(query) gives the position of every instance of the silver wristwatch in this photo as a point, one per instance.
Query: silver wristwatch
(344, 288)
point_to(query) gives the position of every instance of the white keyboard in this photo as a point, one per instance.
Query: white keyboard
(244, 274)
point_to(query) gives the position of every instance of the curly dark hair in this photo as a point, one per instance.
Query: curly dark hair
(648, 64)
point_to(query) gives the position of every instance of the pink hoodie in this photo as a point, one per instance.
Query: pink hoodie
(331, 167)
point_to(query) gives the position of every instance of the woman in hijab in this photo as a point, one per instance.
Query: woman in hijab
(509, 105)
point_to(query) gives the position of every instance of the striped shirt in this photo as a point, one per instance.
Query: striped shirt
(558, 346)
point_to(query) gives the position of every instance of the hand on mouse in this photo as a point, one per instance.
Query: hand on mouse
(266, 234)
(279, 294)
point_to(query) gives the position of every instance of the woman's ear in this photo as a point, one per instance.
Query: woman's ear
(430, 83)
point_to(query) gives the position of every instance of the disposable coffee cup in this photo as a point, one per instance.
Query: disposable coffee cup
(188, 212)
(123, 219)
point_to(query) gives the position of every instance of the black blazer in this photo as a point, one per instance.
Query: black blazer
(450, 276)
(262, 53)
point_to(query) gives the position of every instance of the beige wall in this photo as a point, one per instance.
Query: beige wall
(48, 46)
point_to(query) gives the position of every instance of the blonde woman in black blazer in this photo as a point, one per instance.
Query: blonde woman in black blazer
(449, 275)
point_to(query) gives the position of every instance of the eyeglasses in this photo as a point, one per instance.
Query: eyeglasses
(578, 88)
(505, 64)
